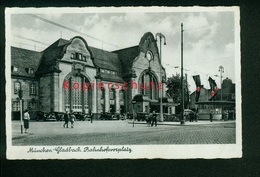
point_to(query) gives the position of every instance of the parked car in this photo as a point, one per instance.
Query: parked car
(142, 116)
(40, 115)
(109, 116)
(43, 116)
(50, 117)
(81, 116)
(59, 116)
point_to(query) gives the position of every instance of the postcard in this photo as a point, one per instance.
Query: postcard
(123, 83)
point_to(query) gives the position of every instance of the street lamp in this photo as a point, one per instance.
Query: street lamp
(133, 102)
(161, 36)
(182, 87)
(20, 94)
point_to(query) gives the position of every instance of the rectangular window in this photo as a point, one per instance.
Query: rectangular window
(111, 95)
(33, 105)
(108, 72)
(84, 58)
(17, 87)
(16, 106)
(33, 89)
(121, 95)
(72, 55)
(80, 56)
(77, 56)
(102, 70)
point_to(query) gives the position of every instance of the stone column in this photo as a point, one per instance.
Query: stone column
(55, 92)
(117, 101)
(107, 100)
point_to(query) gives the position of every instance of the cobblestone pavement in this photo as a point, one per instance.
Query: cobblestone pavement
(123, 133)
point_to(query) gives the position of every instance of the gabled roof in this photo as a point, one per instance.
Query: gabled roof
(51, 56)
(24, 59)
(127, 57)
(106, 60)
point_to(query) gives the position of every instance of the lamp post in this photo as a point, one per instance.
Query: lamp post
(20, 94)
(182, 87)
(161, 36)
(133, 103)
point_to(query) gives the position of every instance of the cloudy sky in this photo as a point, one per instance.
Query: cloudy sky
(209, 34)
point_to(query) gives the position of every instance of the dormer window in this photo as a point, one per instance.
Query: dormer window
(14, 69)
(30, 71)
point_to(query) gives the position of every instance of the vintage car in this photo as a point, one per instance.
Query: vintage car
(42, 116)
(109, 116)
(82, 116)
(142, 116)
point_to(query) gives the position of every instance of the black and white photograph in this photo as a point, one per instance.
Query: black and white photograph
(123, 83)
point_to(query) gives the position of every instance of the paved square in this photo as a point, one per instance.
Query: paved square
(123, 133)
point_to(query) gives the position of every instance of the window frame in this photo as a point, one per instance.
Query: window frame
(30, 89)
(17, 91)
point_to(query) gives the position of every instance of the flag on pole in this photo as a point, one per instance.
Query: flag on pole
(198, 86)
(213, 88)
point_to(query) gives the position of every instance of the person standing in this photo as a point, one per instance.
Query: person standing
(72, 120)
(197, 117)
(210, 116)
(66, 119)
(26, 119)
(154, 119)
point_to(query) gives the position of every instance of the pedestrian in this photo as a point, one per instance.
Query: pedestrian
(26, 119)
(197, 116)
(91, 117)
(72, 119)
(210, 116)
(149, 119)
(154, 119)
(226, 115)
(66, 119)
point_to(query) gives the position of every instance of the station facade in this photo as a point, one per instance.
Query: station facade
(70, 75)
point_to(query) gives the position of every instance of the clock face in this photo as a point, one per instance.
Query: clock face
(149, 56)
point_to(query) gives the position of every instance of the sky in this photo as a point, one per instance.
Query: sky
(209, 34)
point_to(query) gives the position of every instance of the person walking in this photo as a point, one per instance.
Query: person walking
(66, 119)
(154, 119)
(26, 119)
(210, 116)
(72, 119)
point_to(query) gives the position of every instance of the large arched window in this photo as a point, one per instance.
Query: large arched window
(148, 85)
(112, 99)
(77, 94)
(103, 99)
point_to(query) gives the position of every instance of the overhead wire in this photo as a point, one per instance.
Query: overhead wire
(70, 29)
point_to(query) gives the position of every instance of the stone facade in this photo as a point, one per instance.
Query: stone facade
(71, 76)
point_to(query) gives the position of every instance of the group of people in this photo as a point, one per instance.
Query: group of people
(192, 116)
(152, 119)
(69, 117)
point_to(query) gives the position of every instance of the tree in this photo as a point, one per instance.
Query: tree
(174, 90)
